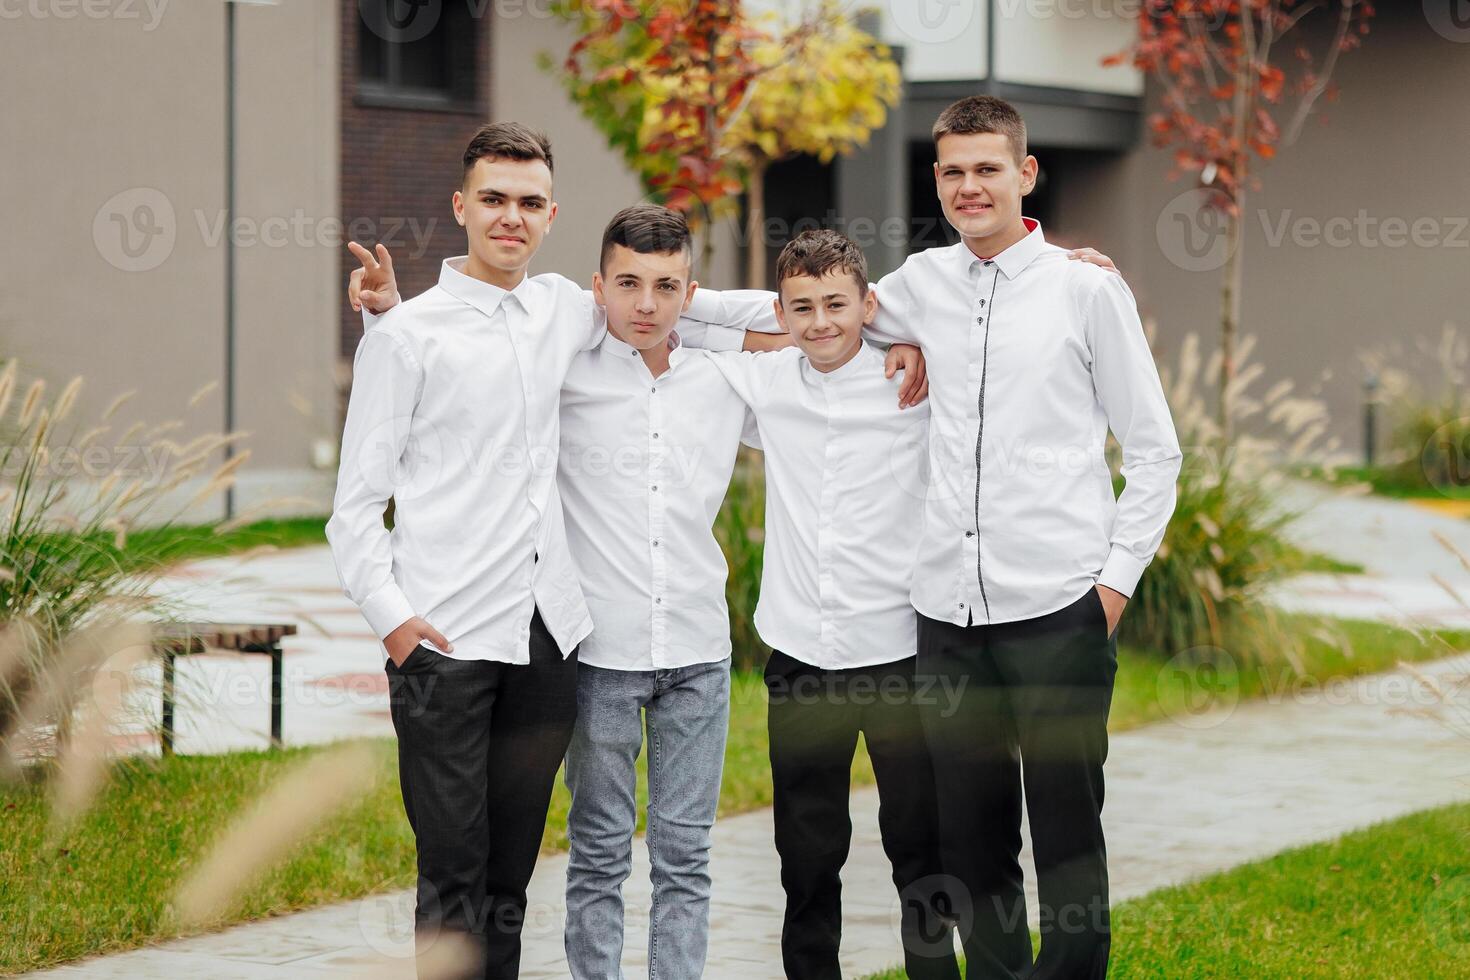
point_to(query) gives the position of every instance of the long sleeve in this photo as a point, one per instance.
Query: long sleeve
(718, 319)
(748, 374)
(1127, 384)
(898, 312)
(386, 385)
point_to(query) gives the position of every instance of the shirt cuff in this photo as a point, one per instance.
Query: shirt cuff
(1121, 571)
(386, 609)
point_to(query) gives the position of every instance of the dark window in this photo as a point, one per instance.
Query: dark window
(416, 52)
(928, 228)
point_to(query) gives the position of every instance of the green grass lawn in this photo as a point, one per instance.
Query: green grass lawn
(1391, 902)
(1387, 482)
(187, 541)
(105, 886)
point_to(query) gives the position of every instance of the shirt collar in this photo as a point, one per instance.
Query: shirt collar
(481, 295)
(1014, 260)
(848, 370)
(611, 344)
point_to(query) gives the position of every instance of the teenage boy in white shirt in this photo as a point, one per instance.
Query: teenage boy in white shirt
(843, 467)
(650, 433)
(454, 415)
(1026, 558)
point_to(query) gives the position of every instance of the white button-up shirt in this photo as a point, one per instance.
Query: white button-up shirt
(844, 494)
(1032, 358)
(645, 463)
(454, 415)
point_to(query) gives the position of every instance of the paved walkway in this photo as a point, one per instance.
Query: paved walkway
(1202, 792)
(1411, 554)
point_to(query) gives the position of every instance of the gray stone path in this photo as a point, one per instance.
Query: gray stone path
(1206, 790)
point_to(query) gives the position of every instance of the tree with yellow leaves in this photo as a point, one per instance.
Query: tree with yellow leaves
(821, 97)
(701, 99)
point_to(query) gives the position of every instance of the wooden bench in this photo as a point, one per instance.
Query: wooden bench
(174, 640)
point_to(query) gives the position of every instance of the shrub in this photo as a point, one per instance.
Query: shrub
(1224, 545)
(740, 529)
(1426, 398)
(68, 572)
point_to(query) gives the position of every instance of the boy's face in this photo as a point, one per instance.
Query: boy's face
(825, 316)
(644, 294)
(980, 183)
(505, 208)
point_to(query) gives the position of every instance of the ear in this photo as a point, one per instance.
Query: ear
(550, 217)
(597, 293)
(870, 307)
(689, 295)
(459, 208)
(780, 314)
(1029, 170)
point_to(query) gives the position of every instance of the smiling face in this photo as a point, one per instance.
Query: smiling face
(644, 293)
(980, 183)
(505, 208)
(825, 315)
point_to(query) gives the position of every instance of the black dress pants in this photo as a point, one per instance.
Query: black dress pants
(479, 745)
(815, 717)
(1033, 701)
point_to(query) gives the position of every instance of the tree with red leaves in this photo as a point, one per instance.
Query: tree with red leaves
(1226, 99)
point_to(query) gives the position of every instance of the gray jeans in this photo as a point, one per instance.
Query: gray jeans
(687, 712)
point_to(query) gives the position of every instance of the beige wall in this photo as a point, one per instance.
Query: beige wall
(1062, 43)
(102, 106)
(1395, 146)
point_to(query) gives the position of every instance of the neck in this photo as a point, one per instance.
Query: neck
(992, 245)
(505, 279)
(655, 357)
(831, 366)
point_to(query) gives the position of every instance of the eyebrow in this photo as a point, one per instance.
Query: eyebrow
(978, 163)
(490, 191)
(634, 275)
(829, 296)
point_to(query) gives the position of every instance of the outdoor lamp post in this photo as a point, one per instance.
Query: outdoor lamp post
(229, 378)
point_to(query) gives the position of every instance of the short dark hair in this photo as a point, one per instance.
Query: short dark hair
(648, 229)
(507, 141)
(983, 114)
(818, 253)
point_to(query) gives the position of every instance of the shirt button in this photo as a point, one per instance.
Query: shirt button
(962, 605)
(655, 435)
(659, 600)
(655, 488)
(989, 263)
(980, 320)
(969, 534)
(655, 542)
(982, 302)
(654, 390)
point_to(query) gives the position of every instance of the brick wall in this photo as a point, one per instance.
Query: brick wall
(399, 168)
